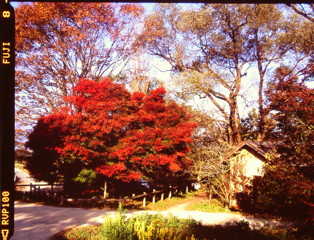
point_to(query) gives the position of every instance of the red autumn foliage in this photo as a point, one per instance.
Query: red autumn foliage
(121, 135)
(293, 102)
(287, 187)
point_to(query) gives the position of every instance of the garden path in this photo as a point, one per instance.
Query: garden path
(40, 222)
(213, 218)
(184, 206)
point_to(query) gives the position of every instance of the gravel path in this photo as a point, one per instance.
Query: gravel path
(181, 210)
(39, 222)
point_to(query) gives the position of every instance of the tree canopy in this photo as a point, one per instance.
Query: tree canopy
(212, 48)
(292, 102)
(287, 186)
(114, 133)
(59, 43)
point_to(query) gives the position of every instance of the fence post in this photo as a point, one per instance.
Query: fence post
(144, 200)
(30, 187)
(170, 193)
(61, 200)
(186, 189)
(35, 193)
(154, 196)
(120, 201)
(133, 195)
(162, 197)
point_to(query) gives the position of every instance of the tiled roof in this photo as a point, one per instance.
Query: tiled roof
(260, 147)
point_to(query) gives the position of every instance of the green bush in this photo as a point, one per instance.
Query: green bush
(148, 227)
(117, 227)
(151, 227)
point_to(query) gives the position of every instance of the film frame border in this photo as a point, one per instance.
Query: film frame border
(7, 64)
(7, 98)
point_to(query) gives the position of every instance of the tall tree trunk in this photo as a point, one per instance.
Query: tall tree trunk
(262, 113)
(235, 137)
(233, 103)
(210, 196)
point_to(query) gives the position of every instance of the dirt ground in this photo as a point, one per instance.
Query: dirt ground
(40, 222)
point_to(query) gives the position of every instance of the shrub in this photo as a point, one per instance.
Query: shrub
(153, 227)
(117, 228)
(276, 196)
(148, 227)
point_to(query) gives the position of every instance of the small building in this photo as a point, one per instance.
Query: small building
(247, 163)
(251, 155)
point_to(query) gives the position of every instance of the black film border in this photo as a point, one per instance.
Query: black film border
(7, 81)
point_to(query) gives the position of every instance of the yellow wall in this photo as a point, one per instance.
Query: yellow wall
(251, 164)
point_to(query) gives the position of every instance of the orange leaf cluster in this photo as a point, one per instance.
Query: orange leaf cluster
(122, 135)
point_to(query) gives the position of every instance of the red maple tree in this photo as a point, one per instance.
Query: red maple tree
(122, 135)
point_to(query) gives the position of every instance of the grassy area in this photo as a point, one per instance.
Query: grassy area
(208, 206)
(168, 203)
(197, 203)
(79, 233)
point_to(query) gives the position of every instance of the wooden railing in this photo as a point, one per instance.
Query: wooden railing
(37, 192)
(38, 186)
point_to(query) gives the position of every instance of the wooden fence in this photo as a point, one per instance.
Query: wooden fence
(38, 186)
(38, 192)
(52, 194)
